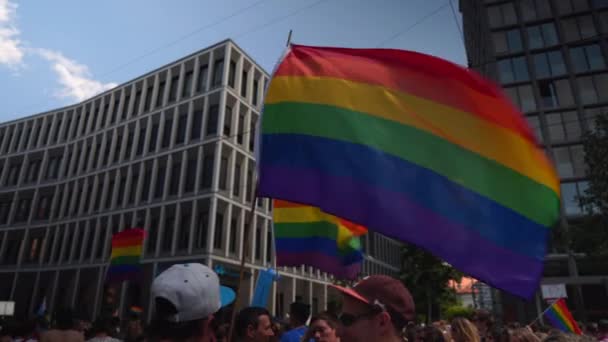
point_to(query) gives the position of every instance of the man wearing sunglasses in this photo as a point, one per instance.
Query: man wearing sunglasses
(375, 309)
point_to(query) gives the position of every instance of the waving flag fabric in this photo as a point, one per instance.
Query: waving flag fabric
(414, 147)
(561, 318)
(126, 253)
(305, 235)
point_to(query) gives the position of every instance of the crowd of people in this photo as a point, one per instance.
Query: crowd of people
(189, 307)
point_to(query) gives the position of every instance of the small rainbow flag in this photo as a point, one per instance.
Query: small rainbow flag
(416, 148)
(561, 318)
(126, 252)
(306, 235)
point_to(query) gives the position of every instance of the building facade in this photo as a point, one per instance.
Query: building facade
(171, 151)
(550, 58)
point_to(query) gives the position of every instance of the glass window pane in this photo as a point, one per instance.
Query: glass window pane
(588, 94)
(535, 39)
(580, 5)
(572, 125)
(527, 99)
(528, 10)
(595, 57)
(586, 26)
(601, 84)
(514, 40)
(512, 94)
(564, 93)
(547, 94)
(505, 72)
(508, 12)
(520, 68)
(541, 66)
(600, 3)
(578, 59)
(556, 128)
(500, 42)
(549, 34)
(494, 16)
(569, 199)
(563, 162)
(563, 6)
(535, 125)
(604, 21)
(571, 29)
(557, 63)
(543, 9)
(578, 160)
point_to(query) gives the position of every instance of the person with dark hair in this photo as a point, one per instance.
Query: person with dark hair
(253, 324)
(186, 296)
(64, 329)
(432, 334)
(298, 315)
(323, 328)
(484, 323)
(377, 308)
(102, 330)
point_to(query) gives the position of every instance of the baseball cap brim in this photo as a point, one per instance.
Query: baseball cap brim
(350, 292)
(227, 296)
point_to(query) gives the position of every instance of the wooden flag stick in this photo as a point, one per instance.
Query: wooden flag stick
(246, 246)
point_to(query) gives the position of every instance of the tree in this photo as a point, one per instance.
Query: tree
(427, 277)
(590, 235)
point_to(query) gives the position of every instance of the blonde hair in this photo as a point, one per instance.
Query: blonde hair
(464, 331)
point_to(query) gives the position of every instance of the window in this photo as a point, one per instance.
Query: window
(233, 235)
(136, 103)
(599, 3)
(173, 89)
(241, 132)
(223, 173)
(197, 122)
(578, 28)
(117, 147)
(501, 15)
(252, 125)
(219, 231)
(110, 199)
(250, 185)
(121, 189)
(570, 161)
(160, 182)
(570, 193)
(586, 58)
(187, 83)
(147, 180)
(181, 128)
(167, 241)
(255, 92)
(167, 131)
(203, 71)
(232, 73)
(175, 177)
(227, 121)
(258, 244)
(207, 175)
(570, 6)
(184, 230)
(244, 84)
(33, 171)
(161, 94)
(542, 35)
(189, 184)
(142, 140)
(513, 70)
(148, 100)
(507, 41)
(114, 109)
(212, 120)
(134, 179)
(563, 126)
(555, 93)
(236, 188)
(591, 88)
(130, 136)
(522, 97)
(23, 209)
(549, 64)
(534, 123)
(201, 229)
(535, 9)
(218, 71)
(153, 137)
(125, 108)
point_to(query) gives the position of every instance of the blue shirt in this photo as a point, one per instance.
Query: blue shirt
(294, 335)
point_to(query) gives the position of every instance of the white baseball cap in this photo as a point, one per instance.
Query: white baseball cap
(194, 289)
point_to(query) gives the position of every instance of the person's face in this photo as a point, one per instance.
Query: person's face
(263, 332)
(322, 332)
(360, 323)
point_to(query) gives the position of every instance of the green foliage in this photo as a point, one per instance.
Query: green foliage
(454, 311)
(427, 277)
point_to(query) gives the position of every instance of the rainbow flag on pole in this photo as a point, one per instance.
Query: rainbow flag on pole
(126, 253)
(305, 235)
(416, 148)
(561, 318)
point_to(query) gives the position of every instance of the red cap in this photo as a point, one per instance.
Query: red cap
(385, 291)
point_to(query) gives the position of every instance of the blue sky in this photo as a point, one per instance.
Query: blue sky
(56, 53)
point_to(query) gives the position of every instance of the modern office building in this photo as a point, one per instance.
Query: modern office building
(171, 151)
(550, 58)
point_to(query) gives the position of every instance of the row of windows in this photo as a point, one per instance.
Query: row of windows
(179, 174)
(176, 229)
(172, 128)
(381, 248)
(505, 14)
(149, 94)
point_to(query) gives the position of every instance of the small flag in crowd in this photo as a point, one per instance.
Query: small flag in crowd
(126, 253)
(420, 149)
(561, 318)
(305, 235)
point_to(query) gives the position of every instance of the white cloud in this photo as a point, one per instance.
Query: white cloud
(11, 49)
(75, 79)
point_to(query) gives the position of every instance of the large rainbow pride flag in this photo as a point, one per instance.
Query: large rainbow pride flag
(305, 235)
(126, 254)
(414, 147)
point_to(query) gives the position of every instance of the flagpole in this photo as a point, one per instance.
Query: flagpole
(542, 313)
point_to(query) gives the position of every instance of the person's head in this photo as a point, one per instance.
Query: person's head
(64, 319)
(464, 331)
(323, 328)
(186, 296)
(298, 314)
(103, 326)
(524, 335)
(432, 334)
(253, 324)
(483, 320)
(375, 309)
